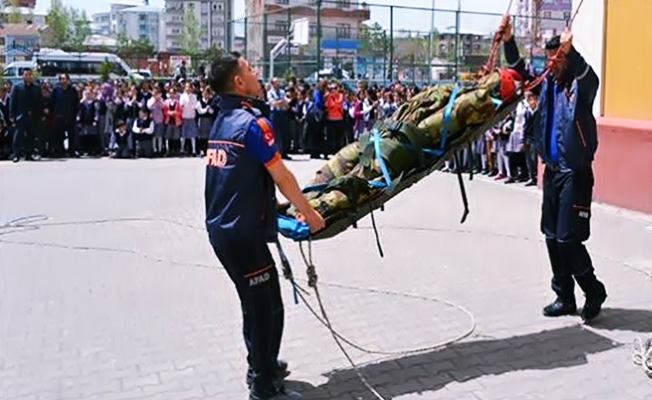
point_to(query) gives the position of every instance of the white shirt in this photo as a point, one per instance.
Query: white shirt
(188, 105)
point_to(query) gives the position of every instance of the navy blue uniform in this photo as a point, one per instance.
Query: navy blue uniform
(241, 220)
(565, 136)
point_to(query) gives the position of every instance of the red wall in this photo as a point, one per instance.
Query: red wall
(623, 164)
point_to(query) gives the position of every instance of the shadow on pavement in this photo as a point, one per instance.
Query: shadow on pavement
(547, 350)
(621, 319)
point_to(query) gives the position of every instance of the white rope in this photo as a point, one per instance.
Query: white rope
(643, 355)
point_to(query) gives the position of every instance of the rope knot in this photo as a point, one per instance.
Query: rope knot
(312, 276)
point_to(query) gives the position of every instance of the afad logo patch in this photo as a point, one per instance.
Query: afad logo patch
(268, 136)
(268, 133)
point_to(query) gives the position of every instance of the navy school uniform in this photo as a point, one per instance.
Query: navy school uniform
(87, 117)
(122, 143)
(241, 218)
(143, 133)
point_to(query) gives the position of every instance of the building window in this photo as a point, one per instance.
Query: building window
(343, 3)
(547, 15)
(284, 2)
(312, 28)
(281, 26)
(343, 31)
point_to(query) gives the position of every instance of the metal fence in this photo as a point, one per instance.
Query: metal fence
(378, 42)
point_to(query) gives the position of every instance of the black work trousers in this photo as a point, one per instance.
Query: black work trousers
(65, 128)
(565, 222)
(251, 267)
(25, 135)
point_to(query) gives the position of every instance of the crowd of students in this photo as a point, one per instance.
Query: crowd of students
(117, 119)
(174, 119)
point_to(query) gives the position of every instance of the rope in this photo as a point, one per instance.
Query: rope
(323, 318)
(643, 355)
(495, 46)
(558, 55)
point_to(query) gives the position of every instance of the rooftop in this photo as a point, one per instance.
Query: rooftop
(23, 11)
(143, 9)
(22, 29)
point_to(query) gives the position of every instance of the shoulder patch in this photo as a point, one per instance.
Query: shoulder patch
(268, 133)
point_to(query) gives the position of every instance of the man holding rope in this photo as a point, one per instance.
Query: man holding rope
(244, 163)
(565, 136)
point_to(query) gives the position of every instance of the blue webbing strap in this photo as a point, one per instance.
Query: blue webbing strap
(497, 102)
(448, 111)
(379, 157)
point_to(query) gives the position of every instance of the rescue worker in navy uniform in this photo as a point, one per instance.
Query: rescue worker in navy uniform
(243, 166)
(565, 135)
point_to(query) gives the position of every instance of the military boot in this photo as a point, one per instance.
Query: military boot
(595, 293)
(278, 392)
(560, 307)
(281, 373)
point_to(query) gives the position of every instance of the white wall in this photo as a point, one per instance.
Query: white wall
(588, 32)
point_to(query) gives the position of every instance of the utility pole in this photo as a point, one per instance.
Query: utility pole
(431, 39)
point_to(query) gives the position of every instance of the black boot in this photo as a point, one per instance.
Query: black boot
(595, 292)
(562, 283)
(278, 392)
(281, 373)
(560, 307)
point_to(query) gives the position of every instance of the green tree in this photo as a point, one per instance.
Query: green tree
(80, 29)
(130, 49)
(15, 17)
(105, 70)
(58, 21)
(191, 32)
(69, 27)
(373, 39)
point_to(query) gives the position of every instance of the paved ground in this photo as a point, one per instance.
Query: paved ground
(118, 296)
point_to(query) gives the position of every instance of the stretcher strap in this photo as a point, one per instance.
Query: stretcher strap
(375, 135)
(448, 111)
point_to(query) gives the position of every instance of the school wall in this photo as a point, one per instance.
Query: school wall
(612, 34)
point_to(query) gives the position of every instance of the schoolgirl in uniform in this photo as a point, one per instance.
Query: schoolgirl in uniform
(172, 118)
(87, 117)
(155, 106)
(189, 103)
(143, 131)
(132, 106)
(205, 118)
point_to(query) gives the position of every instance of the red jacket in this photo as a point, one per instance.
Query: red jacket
(177, 113)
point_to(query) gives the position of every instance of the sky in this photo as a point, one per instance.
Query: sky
(412, 20)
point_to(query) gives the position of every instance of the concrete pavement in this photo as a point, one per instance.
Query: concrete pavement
(117, 295)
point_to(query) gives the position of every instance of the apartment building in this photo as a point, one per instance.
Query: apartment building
(468, 43)
(106, 23)
(553, 15)
(133, 20)
(212, 16)
(143, 22)
(268, 22)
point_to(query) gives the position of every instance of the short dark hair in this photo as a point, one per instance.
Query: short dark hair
(222, 71)
(554, 43)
